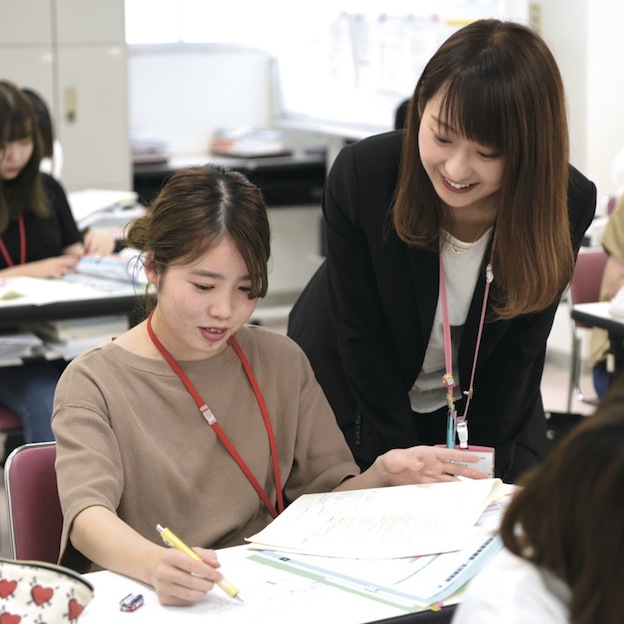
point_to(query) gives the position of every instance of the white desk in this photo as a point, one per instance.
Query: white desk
(54, 299)
(596, 314)
(271, 596)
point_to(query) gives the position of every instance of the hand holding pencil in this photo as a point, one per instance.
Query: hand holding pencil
(174, 541)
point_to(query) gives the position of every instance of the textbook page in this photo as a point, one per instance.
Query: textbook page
(380, 523)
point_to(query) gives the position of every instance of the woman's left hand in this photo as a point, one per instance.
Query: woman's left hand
(99, 243)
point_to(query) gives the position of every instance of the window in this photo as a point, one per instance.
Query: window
(243, 22)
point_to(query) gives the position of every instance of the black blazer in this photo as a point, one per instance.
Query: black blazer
(365, 318)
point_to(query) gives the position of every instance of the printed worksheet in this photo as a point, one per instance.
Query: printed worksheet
(381, 523)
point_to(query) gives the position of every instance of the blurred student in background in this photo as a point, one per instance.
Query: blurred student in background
(38, 238)
(612, 280)
(99, 241)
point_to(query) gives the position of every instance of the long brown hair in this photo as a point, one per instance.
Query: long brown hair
(24, 193)
(44, 122)
(196, 209)
(501, 88)
(568, 516)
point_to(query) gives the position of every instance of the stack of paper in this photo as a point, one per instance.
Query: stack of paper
(84, 204)
(71, 337)
(16, 346)
(125, 266)
(380, 523)
(69, 330)
(409, 546)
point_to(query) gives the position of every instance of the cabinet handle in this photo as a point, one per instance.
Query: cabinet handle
(70, 104)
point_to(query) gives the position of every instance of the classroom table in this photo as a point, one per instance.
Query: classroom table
(17, 311)
(596, 314)
(271, 596)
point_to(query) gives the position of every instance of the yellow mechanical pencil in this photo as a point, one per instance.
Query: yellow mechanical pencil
(171, 539)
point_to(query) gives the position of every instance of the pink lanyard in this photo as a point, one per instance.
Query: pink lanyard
(22, 233)
(458, 424)
(212, 421)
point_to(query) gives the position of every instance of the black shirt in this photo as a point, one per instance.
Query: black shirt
(45, 237)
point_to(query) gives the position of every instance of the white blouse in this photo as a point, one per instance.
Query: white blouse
(511, 590)
(462, 263)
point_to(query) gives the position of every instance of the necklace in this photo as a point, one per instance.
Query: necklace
(458, 249)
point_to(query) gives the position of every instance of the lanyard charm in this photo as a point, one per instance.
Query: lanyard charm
(208, 415)
(462, 434)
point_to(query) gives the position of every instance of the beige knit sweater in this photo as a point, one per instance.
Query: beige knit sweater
(131, 438)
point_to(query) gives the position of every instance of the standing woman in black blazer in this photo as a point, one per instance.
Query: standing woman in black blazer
(477, 190)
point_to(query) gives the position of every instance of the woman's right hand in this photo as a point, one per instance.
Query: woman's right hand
(181, 580)
(105, 539)
(48, 268)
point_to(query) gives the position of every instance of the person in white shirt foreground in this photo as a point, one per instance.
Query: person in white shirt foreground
(563, 535)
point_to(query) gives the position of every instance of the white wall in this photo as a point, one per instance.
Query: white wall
(182, 96)
(605, 89)
(586, 38)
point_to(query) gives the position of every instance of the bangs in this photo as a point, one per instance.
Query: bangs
(20, 126)
(475, 108)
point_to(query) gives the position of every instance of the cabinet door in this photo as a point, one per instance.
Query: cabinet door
(90, 21)
(93, 120)
(25, 21)
(29, 66)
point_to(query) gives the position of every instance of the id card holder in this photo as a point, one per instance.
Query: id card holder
(485, 455)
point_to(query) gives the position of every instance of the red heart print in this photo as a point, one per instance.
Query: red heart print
(7, 587)
(75, 609)
(8, 618)
(41, 594)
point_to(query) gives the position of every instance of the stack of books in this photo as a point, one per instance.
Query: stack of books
(70, 337)
(16, 347)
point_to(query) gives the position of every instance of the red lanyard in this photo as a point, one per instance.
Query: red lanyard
(22, 233)
(458, 424)
(212, 421)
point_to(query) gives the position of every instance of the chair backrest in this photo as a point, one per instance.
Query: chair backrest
(33, 506)
(9, 420)
(587, 277)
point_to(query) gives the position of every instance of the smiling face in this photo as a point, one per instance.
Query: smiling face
(203, 303)
(466, 175)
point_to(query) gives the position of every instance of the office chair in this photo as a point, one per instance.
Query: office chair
(9, 422)
(11, 427)
(584, 288)
(610, 203)
(33, 508)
